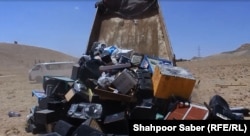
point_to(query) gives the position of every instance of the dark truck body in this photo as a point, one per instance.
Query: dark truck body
(145, 33)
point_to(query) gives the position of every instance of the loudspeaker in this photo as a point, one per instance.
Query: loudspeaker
(75, 72)
(50, 134)
(145, 88)
(45, 116)
(63, 128)
(116, 123)
(143, 113)
(143, 73)
(105, 56)
(85, 130)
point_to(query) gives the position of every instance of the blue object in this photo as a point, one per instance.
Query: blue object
(39, 94)
(149, 62)
(159, 116)
(110, 49)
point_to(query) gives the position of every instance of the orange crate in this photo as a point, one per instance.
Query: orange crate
(166, 85)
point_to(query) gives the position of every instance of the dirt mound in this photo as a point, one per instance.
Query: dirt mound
(22, 57)
(241, 53)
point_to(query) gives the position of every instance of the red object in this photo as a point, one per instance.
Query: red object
(188, 112)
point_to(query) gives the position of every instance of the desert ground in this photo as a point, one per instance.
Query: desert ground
(227, 75)
(15, 88)
(15, 96)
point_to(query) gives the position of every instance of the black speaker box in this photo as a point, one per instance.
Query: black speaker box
(116, 123)
(45, 116)
(64, 128)
(143, 113)
(50, 134)
(145, 89)
(85, 130)
(75, 72)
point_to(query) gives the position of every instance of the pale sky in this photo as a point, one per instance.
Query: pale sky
(65, 25)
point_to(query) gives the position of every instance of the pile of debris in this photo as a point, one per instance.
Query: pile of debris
(111, 86)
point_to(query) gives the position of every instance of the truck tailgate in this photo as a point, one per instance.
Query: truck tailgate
(145, 34)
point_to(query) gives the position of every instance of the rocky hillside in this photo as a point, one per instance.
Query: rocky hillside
(243, 50)
(241, 53)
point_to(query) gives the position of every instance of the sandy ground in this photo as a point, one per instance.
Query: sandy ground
(227, 77)
(15, 92)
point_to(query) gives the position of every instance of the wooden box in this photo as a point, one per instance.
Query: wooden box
(168, 80)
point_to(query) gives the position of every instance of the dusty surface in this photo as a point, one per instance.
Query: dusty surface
(16, 96)
(226, 75)
(15, 89)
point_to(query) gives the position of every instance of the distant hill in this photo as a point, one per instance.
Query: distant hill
(244, 49)
(17, 56)
(196, 58)
(245, 46)
(242, 52)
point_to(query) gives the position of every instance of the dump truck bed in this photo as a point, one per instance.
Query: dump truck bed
(146, 34)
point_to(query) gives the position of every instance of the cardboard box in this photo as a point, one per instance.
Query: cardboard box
(168, 80)
(75, 96)
(70, 94)
(188, 112)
